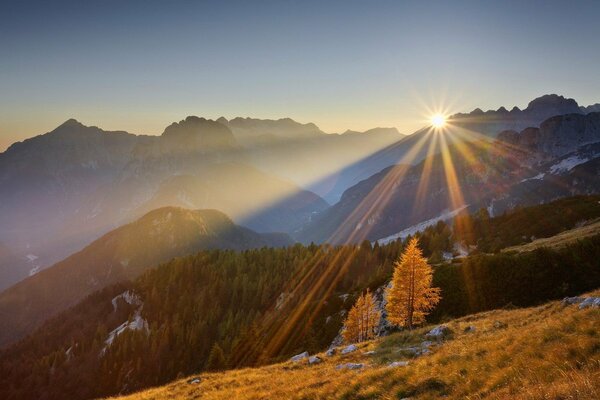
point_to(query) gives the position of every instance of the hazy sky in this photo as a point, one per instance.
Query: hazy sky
(139, 65)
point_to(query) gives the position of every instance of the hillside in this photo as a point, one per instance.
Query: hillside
(258, 306)
(120, 255)
(562, 239)
(550, 351)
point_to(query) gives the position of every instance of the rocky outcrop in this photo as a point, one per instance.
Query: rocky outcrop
(583, 302)
(299, 357)
(440, 332)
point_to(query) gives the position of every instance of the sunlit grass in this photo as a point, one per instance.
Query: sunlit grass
(546, 352)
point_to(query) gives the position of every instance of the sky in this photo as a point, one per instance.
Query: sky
(140, 65)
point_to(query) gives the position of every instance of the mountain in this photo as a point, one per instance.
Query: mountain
(558, 159)
(249, 131)
(311, 160)
(462, 127)
(62, 190)
(590, 108)
(121, 254)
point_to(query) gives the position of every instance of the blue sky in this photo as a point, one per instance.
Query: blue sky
(139, 65)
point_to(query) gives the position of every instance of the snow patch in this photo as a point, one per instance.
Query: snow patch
(31, 257)
(537, 177)
(446, 215)
(567, 164)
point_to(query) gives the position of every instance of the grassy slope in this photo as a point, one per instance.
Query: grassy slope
(546, 352)
(562, 239)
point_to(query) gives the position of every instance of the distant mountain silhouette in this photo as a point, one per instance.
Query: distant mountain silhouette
(476, 125)
(61, 190)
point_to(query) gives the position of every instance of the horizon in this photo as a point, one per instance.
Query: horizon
(140, 66)
(425, 122)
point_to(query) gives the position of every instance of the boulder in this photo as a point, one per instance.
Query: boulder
(349, 349)
(299, 357)
(194, 381)
(398, 364)
(369, 353)
(439, 332)
(470, 329)
(314, 360)
(331, 352)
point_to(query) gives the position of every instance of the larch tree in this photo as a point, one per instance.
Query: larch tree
(363, 319)
(411, 297)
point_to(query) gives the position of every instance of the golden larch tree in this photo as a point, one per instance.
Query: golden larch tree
(363, 319)
(411, 297)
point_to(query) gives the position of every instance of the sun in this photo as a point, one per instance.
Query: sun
(438, 120)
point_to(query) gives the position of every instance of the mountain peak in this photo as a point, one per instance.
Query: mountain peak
(554, 102)
(198, 133)
(70, 124)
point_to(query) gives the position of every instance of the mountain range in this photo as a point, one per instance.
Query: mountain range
(62, 190)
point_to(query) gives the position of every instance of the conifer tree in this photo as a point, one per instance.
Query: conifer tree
(362, 319)
(411, 296)
(216, 359)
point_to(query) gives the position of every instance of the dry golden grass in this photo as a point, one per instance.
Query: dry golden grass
(562, 239)
(546, 352)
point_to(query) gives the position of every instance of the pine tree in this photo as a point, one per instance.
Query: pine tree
(362, 319)
(411, 296)
(216, 359)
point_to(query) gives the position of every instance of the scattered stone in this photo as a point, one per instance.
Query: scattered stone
(590, 302)
(470, 329)
(569, 301)
(369, 353)
(331, 352)
(427, 343)
(398, 364)
(439, 332)
(344, 297)
(299, 357)
(314, 360)
(349, 349)
(350, 366)
(500, 325)
(194, 381)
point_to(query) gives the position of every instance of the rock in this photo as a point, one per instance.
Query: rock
(590, 302)
(350, 366)
(427, 344)
(314, 360)
(439, 332)
(349, 349)
(299, 357)
(469, 329)
(344, 297)
(568, 301)
(398, 364)
(331, 352)
(194, 381)
(500, 325)
(369, 353)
